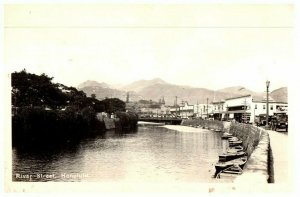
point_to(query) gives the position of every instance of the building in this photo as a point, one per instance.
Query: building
(247, 108)
(238, 108)
(259, 108)
(218, 110)
(186, 110)
(202, 110)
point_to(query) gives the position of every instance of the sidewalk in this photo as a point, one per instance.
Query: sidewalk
(279, 145)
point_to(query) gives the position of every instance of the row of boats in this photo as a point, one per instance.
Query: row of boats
(231, 162)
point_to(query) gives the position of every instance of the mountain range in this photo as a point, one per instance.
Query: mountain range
(157, 88)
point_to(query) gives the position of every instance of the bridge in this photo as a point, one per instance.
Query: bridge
(166, 120)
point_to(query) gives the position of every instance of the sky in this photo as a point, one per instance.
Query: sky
(199, 45)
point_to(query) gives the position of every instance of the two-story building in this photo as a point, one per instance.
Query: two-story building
(238, 108)
(218, 110)
(186, 110)
(203, 110)
(247, 108)
(259, 107)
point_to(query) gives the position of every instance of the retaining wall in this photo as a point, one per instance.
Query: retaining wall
(210, 124)
(109, 123)
(256, 143)
(249, 134)
(258, 168)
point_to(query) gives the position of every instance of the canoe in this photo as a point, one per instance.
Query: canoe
(236, 143)
(223, 165)
(233, 139)
(232, 172)
(237, 147)
(230, 156)
(226, 135)
(233, 150)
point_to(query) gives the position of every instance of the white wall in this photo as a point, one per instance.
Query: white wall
(238, 101)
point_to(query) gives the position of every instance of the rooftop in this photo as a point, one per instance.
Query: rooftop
(248, 95)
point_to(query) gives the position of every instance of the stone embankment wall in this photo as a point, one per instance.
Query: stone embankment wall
(249, 134)
(210, 124)
(109, 123)
(256, 143)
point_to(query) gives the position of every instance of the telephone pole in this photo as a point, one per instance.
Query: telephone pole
(267, 121)
(197, 109)
(207, 107)
(176, 106)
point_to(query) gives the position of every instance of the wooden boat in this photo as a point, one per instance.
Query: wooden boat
(236, 143)
(230, 156)
(226, 135)
(232, 172)
(223, 165)
(237, 147)
(233, 139)
(233, 150)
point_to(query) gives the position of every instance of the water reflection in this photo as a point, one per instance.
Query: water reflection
(147, 154)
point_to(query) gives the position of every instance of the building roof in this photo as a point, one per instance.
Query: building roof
(236, 97)
(264, 101)
(257, 99)
(217, 102)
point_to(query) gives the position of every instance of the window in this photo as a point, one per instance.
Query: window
(264, 106)
(271, 107)
(255, 106)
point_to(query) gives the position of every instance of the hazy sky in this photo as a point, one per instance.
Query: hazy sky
(211, 46)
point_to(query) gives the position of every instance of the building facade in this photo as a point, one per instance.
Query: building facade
(247, 109)
(218, 110)
(186, 111)
(203, 110)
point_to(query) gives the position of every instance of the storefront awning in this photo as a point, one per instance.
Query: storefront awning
(236, 112)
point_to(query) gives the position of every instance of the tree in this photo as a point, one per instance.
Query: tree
(93, 96)
(113, 105)
(33, 90)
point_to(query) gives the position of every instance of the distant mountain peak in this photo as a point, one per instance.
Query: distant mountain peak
(141, 84)
(91, 83)
(158, 80)
(236, 90)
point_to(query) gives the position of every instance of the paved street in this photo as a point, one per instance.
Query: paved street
(279, 144)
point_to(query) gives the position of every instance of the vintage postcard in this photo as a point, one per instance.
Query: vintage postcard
(148, 97)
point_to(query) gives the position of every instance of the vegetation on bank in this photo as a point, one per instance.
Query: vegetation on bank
(47, 112)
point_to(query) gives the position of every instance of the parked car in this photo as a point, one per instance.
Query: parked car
(279, 122)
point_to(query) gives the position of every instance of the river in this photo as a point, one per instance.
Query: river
(149, 154)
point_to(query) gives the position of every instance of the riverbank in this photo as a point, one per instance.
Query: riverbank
(143, 123)
(184, 128)
(256, 143)
(207, 124)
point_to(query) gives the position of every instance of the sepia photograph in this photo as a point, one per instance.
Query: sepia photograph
(148, 97)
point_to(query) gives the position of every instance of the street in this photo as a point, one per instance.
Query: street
(279, 145)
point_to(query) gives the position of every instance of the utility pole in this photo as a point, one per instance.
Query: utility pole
(201, 112)
(207, 107)
(176, 106)
(197, 108)
(267, 121)
(245, 108)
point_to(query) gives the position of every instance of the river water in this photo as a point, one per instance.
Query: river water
(148, 154)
